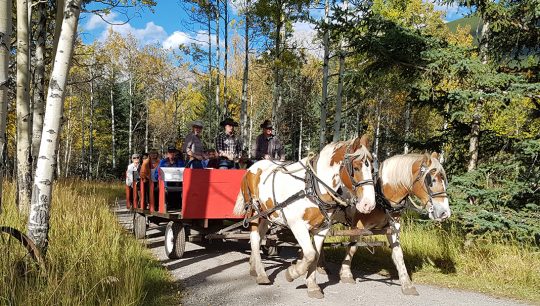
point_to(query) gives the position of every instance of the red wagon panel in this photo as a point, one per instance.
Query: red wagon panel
(210, 193)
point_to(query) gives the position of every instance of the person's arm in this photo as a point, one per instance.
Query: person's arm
(129, 175)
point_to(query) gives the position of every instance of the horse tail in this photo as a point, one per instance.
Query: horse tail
(239, 207)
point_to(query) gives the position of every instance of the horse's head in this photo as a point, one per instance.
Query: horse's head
(355, 172)
(430, 187)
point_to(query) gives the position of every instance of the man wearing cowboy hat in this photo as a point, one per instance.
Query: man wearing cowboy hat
(193, 146)
(267, 145)
(228, 145)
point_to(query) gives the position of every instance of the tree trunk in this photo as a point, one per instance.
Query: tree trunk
(210, 54)
(337, 120)
(24, 157)
(475, 124)
(113, 130)
(326, 59)
(225, 62)
(91, 127)
(407, 127)
(38, 221)
(377, 128)
(60, 6)
(300, 137)
(245, 78)
(5, 47)
(218, 56)
(277, 82)
(130, 136)
(39, 80)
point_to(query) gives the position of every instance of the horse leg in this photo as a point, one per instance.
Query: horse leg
(255, 262)
(397, 256)
(301, 233)
(314, 291)
(345, 273)
(321, 264)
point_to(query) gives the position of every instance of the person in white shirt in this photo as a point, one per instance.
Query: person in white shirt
(134, 166)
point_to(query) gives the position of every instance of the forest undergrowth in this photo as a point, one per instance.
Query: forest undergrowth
(91, 259)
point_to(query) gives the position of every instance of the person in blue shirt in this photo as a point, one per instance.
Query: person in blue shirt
(171, 160)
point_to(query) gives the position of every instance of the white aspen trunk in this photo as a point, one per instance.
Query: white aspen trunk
(337, 120)
(39, 80)
(407, 127)
(24, 157)
(91, 126)
(326, 59)
(113, 130)
(474, 140)
(300, 138)
(130, 136)
(5, 47)
(250, 123)
(82, 164)
(377, 128)
(218, 64)
(225, 59)
(209, 53)
(245, 78)
(442, 156)
(60, 6)
(38, 221)
(277, 82)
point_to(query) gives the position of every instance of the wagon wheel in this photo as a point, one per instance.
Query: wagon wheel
(27, 258)
(139, 225)
(175, 240)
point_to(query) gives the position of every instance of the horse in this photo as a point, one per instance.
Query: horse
(303, 197)
(400, 177)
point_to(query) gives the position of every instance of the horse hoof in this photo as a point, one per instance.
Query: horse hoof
(315, 294)
(288, 276)
(322, 271)
(263, 280)
(409, 290)
(252, 272)
(348, 280)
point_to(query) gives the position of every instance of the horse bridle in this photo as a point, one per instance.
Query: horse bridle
(348, 166)
(427, 188)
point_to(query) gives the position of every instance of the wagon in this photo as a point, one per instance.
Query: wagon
(197, 205)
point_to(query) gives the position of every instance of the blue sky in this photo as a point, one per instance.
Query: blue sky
(163, 24)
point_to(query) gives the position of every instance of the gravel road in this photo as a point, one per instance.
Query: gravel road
(220, 276)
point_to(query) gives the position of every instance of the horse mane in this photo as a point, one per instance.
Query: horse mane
(360, 152)
(398, 169)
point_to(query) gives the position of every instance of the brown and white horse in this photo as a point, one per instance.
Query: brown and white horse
(343, 169)
(402, 176)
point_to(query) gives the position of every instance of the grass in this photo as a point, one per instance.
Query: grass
(91, 259)
(439, 256)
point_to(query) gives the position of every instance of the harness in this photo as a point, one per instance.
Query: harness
(311, 191)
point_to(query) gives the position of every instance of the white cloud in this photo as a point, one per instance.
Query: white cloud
(451, 11)
(175, 39)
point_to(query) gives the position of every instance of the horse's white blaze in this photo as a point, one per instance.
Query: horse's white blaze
(367, 202)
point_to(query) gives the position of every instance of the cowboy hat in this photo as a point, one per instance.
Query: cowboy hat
(228, 121)
(196, 123)
(171, 149)
(267, 124)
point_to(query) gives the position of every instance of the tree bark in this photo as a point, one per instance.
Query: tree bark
(130, 136)
(277, 81)
(326, 59)
(24, 157)
(38, 221)
(210, 54)
(5, 47)
(39, 79)
(407, 127)
(91, 126)
(218, 56)
(377, 128)
(337, 120)
(113, 130)
(245, 78)
(60, 6)
(225, 59)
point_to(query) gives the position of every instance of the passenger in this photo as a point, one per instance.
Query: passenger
(148, 168)
(172, 159)
(228, 145)
(133, 167)
(267, 146)
(193, 146)
(213, 160)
